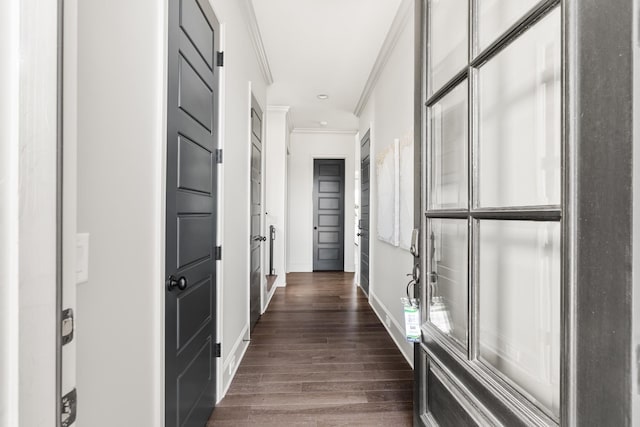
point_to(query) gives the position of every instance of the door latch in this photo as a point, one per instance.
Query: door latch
(69, 408)
(67, 326)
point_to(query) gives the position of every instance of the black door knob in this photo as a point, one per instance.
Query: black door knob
(359, 234)
(263, 238)
(315, 228)
(174, 283)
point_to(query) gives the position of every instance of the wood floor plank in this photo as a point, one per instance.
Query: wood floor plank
(319, 358)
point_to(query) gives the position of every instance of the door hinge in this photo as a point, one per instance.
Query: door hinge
(218, 350)
(220, 59)
(218, 253)
(69, 408)
(67, 326)
(218, 155)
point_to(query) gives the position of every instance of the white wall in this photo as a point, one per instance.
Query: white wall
(241, 74)
(121, 144)
(9, 104)
(389, 114)
(304, 147)
(277, 137)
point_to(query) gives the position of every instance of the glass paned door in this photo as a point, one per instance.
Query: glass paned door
(494, 213)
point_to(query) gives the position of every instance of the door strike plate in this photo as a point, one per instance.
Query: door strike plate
(67, 326)
(69, 408)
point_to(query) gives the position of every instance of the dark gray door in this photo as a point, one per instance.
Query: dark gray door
(256, 213)
(328, 215)
(365, 148)
(191, 210)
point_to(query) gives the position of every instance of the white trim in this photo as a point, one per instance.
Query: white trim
(248, 212)
(397, 27)
(234, 350)
(221, 217)
(256, 41)
(9, 212)
(161, 206)
(398, 334)
(278, 108)
(325, 131)
(270, 297)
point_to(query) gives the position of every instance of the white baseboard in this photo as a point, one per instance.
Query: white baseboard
(236, 354)
(269, 297)
(395, 329)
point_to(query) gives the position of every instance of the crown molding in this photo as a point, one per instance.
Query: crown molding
(279, 108)
(286, 109)
(325, 131)
(390, 42)
(258, 45)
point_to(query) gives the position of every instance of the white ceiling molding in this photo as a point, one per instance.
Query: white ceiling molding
(283, 109)
(258, 45)
(278, 108)
(398, 24)
(326, 131)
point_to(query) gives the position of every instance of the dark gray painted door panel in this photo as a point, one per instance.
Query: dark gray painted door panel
(192, 133)
(256, 213)
(328, 215)
(365, 148)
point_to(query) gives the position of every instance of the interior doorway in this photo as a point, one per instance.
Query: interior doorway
(328, 214)
(257, 239)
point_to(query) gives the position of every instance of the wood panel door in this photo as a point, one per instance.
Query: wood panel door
(191, 211)
(257, 238)
(328, 215)
(363, 232)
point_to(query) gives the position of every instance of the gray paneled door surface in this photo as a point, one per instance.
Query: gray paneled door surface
(191, 210)
(328, 215)
(256, 213)
(365, 148)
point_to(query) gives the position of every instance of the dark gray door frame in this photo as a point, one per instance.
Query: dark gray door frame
(256, 212)
(597, 289)
(365, 219)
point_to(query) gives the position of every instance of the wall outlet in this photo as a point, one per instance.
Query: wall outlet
(387, 320)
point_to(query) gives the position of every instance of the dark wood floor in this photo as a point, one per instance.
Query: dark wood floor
(319, 357)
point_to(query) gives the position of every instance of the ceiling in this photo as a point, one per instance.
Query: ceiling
(322, 47)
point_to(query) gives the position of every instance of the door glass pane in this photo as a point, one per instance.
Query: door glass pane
(496, 16)
(449, 158)
(449, 262)
(519, 286)
(520, 120)
(448, 40)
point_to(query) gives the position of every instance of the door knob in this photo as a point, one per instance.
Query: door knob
(260, 239)
(263, 238)
(174, 283)
(359, 234)
(315, 228)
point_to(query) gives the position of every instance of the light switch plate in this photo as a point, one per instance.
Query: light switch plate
(82, 258)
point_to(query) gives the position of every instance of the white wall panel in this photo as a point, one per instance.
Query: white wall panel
(304, 148)
(389, 115)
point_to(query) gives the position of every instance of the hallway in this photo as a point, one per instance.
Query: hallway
(319, 356)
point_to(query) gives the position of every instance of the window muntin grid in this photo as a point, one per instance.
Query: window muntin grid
(549, 210)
